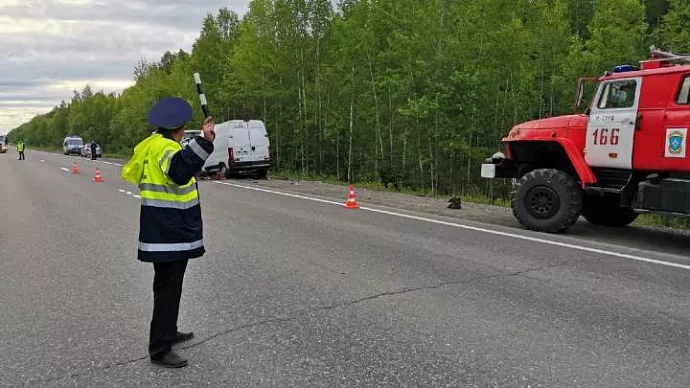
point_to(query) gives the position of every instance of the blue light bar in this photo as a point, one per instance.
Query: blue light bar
(625, 68)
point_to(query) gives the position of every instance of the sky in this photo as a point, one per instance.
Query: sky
(52, 47)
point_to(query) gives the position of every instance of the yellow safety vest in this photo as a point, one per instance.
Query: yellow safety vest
(156, 187)
(20, 147)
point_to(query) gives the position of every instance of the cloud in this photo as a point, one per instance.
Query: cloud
(52, 47)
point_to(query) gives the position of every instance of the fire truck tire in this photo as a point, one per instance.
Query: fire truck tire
(606, 211)
(547, 200)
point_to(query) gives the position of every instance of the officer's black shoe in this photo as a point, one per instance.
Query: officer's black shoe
(169, 360)
(181, 337)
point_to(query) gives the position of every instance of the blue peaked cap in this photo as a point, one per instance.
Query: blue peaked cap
(170, 113)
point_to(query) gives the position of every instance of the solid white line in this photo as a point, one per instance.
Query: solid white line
(63, 168)
(280, 193)
(476, 229)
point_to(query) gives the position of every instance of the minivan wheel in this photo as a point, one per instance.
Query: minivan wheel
(262, 173)
(546, 200)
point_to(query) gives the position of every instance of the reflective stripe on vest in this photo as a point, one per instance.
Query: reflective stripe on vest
(170, 247)
(168, 154)
(169, 204)
(166, 189)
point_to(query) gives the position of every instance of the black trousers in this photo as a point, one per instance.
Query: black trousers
(167, 290)
(21, 155)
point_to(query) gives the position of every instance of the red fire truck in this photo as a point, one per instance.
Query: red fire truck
(625, 155)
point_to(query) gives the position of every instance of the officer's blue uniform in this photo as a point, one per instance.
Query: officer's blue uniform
(170, 224)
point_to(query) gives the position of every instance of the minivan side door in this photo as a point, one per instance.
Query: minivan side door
(258, 138)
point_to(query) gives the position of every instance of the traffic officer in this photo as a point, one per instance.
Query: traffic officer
(170, 225)
(20, 149)
(93, 150)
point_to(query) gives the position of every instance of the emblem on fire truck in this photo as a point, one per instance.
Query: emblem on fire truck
(675, 142)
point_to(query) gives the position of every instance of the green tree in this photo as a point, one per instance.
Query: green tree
(674, 31)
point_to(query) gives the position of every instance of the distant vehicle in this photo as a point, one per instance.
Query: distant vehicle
(240, 147)
(86, 151)
(3, 144)
(72, 145)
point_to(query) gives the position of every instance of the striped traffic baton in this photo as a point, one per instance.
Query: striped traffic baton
(202, 96)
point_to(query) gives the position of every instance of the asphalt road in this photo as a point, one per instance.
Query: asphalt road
(296, 291)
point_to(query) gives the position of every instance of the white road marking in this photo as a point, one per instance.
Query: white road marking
(89, 160)
(63, 168)
(474, 228)
(129, 193)
(279, 193)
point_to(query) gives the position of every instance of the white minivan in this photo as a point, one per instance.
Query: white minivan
(240, 147)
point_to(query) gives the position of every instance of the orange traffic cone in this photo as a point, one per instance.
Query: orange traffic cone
(98, 178)
(351, 200)
(75, 168)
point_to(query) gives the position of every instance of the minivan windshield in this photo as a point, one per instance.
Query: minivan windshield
(75, 142)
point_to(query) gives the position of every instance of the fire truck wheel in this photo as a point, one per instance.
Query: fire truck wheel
(606, 211)
(546, 200)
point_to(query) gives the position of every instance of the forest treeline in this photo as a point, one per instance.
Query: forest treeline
(413, 91)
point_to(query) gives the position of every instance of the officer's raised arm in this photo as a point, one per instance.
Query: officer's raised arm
(189, 160)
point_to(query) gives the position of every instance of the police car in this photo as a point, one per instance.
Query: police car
(72, 145)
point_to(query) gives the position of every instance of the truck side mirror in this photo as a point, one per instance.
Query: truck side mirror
(580, 94)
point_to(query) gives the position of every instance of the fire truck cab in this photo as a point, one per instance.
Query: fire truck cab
(625, 155)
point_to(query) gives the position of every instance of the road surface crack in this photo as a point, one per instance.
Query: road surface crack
(302, 313)
(88, 370)
(368, 298)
